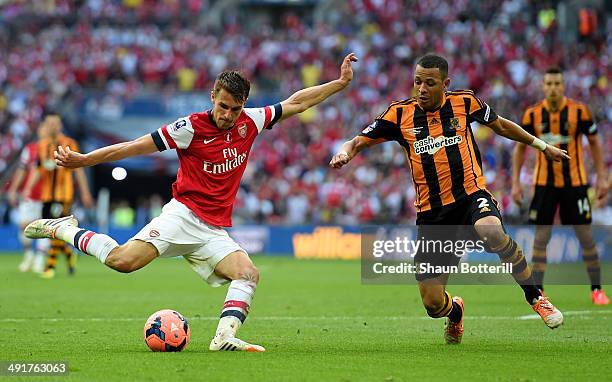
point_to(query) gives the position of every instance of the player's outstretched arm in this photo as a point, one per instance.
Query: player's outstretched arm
(518, 159)
(350, 149)
(511, 130)
(307, 98)
(72, 159)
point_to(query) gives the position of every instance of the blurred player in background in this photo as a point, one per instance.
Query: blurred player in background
(57, 188)
(434, 130)
(30, 205)
(213, 149)
(562, 122)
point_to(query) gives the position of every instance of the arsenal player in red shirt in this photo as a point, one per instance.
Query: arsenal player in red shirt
(25, 193)
(213, 149)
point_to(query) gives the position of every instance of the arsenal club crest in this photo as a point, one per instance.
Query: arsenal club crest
(455, 123)
(242, 130)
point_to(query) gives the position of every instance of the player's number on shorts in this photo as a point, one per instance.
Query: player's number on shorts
(583, 206)
(483, 202)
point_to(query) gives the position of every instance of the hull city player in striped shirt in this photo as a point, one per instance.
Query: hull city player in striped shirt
(434, 131)
(213, 148)
(562, 122)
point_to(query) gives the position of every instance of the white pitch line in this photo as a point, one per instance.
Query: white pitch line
(305, 318)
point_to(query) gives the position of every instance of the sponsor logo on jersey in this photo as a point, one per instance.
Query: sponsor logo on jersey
(208, 140)
(232, 161)
(242, 130)
(228, 137)
(434, 121)
(153, 233)
(484, 209)
(431, 145)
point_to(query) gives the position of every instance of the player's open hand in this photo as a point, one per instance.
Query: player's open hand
(340, 159)
(553, 153)
(346, 70)
(67, 158)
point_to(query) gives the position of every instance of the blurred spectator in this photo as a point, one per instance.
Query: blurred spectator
(122, 216)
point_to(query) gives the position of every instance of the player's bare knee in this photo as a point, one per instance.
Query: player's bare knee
(542, 237)
(248, 272)
(491, 231)
(585, 236)
(433, 302)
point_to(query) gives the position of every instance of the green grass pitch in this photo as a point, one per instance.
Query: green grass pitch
(316, 319)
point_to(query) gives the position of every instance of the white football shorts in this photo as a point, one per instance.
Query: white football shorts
(179, 232)
(29, 210)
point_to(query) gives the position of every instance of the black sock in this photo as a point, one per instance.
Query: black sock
(540, 287)
(531, 293)
(593, 287)
(456, 313)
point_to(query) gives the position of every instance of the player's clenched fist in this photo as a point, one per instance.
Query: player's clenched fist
(339, 160)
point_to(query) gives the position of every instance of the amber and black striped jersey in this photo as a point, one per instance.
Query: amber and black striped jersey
(57, 182)
(563, 129)
(439, 145)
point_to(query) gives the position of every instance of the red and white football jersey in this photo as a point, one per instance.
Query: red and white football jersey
(27, 159)
(211, 160)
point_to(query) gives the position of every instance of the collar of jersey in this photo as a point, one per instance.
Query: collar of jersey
(210, 117)
(561, 106)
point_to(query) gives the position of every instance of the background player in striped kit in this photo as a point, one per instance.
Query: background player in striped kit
(57, 193)
(562, 122)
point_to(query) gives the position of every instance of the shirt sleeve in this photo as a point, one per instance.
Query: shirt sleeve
(586, 124)
(481, 112)
(176, 135)
(26, 157)
(527, 122)
(265, 117)
(385, 126)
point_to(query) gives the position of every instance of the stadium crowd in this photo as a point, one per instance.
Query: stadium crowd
(55, 51)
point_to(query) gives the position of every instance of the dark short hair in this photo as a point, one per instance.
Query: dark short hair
(554, 70)
(233, 82)
(431, 60)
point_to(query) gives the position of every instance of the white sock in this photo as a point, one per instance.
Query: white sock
(89, 242)
(43, 245)
(26, 243)
(39, 262)
(28, 258)
(236, 307)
